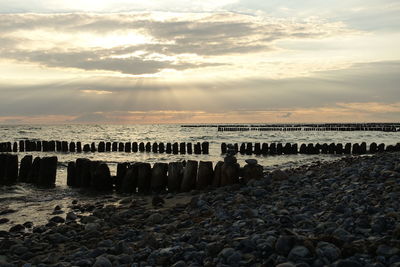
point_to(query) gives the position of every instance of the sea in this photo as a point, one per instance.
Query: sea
(31, 204)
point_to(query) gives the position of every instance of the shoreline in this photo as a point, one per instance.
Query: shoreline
(341, 212)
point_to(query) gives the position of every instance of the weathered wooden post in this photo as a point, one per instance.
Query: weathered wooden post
(38, 146)
(148, 147)
(48, 171)
(279, 148)
(15, 147)
(72, 147)
(197, 148)
(121, 172)
(182, 148)
(175, 174)
(102, 147)
(33, 175)
(347, 148)
(83, 175)
(108, 147)
(175, 148)
(86, 148)
(144, 177)
(21, 146)
(52, 146)
(64, 146)
(129, 180)
(223, 148)
(303, 149)
(58, 146)
(264, 149)
(101, 179)
(242, 149)
(189, 148)
(216, 182)
(25, 168)
(381, 147)
(161, 148)
(339, 149)
(159, 177)
(128, 147)
(189, 176)
(114, 146)
(373, 148)
(78, 147)
(169, 148)
(71, 174)
(135, 147)
(93, 147)
(120, 147)
(272, 148)
(205, 148)
(141, 147)
(204, 175)
(154, 147)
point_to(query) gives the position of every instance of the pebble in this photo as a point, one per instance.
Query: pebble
(339, 214)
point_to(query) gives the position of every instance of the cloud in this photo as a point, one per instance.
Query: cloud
(147, 43)
(338, 89)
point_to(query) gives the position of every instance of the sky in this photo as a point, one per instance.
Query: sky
(226, 61)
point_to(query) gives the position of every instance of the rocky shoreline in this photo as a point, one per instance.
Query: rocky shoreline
(342, 213)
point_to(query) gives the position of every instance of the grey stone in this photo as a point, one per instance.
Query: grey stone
(299, 253)
(102, 262)
(328, 250)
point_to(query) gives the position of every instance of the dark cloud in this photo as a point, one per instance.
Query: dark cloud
(207, 35)
(100, 60)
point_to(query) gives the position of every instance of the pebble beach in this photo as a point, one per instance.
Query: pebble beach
(339, 213)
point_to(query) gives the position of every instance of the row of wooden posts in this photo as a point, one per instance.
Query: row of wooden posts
(130, 177)
(288, 148)
(307, 129)
(38, 171)
(141, 177)
(64, 146)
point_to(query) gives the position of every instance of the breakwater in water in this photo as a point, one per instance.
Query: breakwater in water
(384, 127)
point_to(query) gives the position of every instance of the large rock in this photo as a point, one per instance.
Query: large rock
(175, 174)
(48, 171)
(252, 171)
(204, 175)
(279, 175)
(25, 168)
(189, 176)
(159, 177)
(144, 177)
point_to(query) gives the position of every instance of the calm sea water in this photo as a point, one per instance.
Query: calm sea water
(35, 204)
